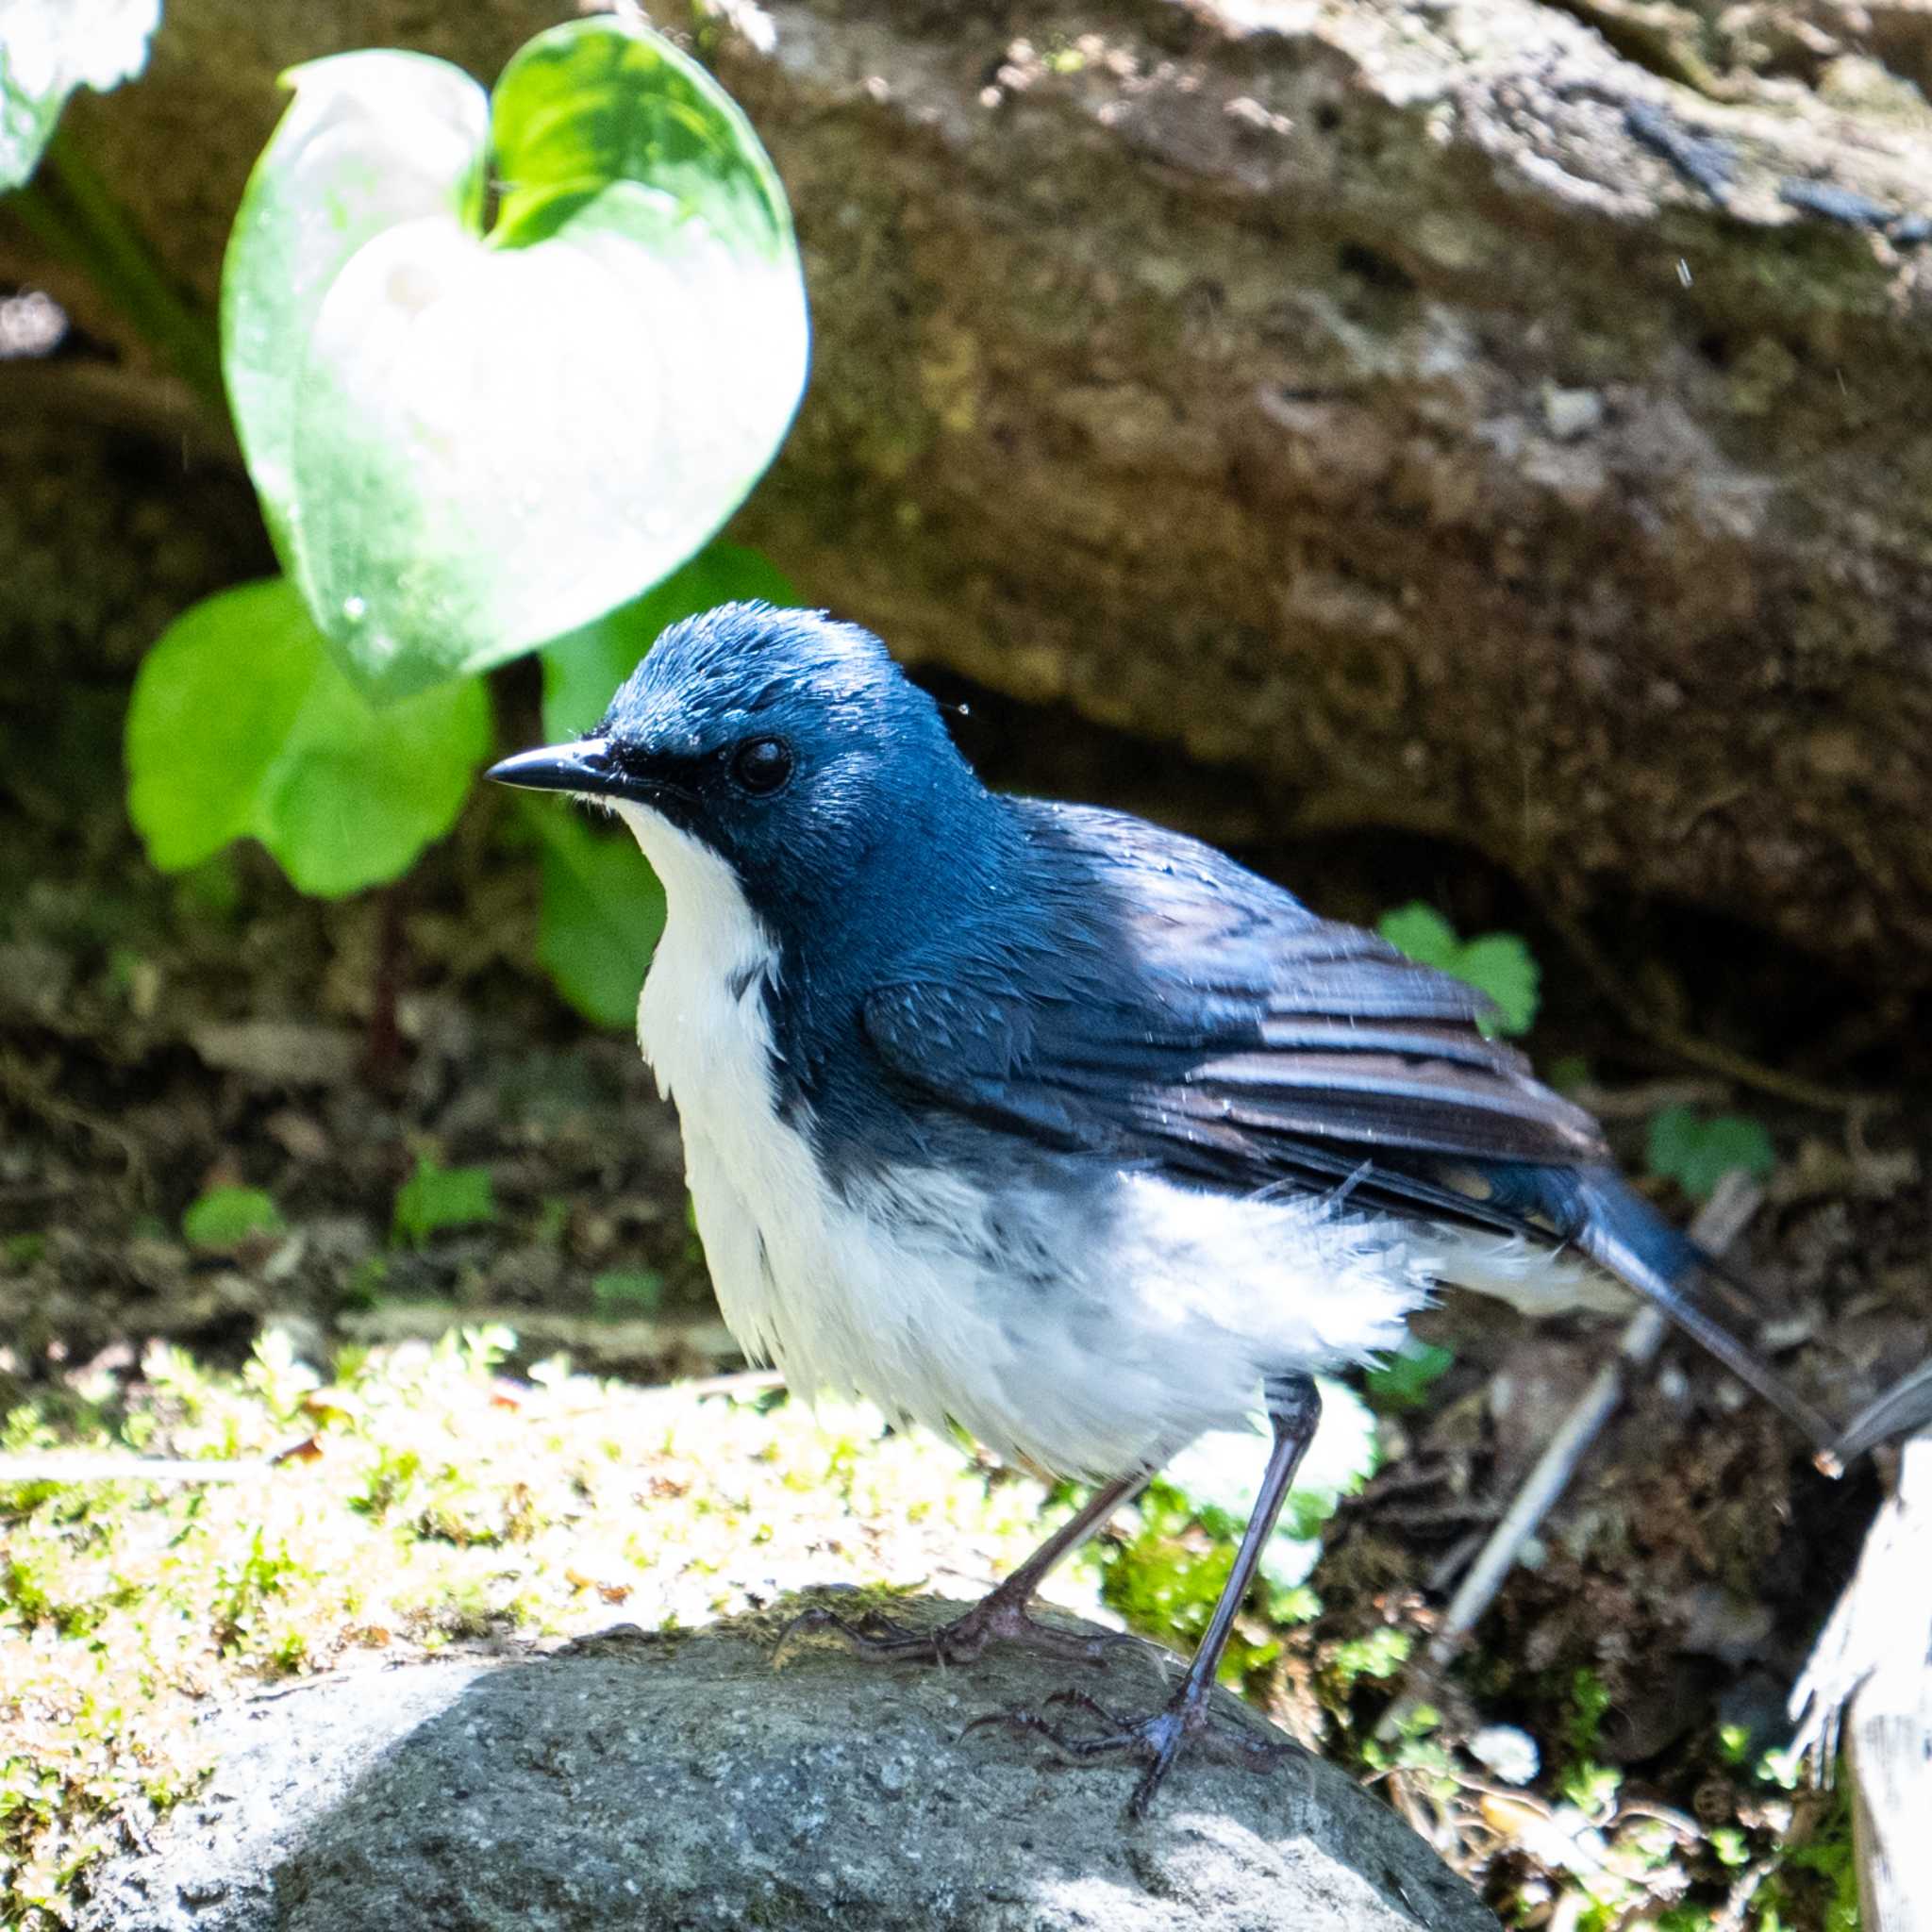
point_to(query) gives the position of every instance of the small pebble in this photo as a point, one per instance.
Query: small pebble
(1510, 1753)
(1572, 412)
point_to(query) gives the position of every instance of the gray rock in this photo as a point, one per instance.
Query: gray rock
(683, 1781)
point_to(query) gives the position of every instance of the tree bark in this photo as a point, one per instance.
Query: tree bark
(1475, 416)
(1869, 1682)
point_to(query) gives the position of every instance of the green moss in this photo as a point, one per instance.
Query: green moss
(1589, 1701)
(1819, 1880)
(426, 1500)
(1166, 1576)
(20, 1251)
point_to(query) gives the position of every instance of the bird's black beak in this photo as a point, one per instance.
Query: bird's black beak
(584, 766)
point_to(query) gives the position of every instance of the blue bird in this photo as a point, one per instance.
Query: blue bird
(1043, 1121)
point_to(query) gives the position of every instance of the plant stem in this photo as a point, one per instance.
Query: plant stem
(72, 211)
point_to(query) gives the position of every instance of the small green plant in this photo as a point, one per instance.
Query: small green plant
(226, 1217)
(1592, 1787)
(1831, 1857)
(446, 492)
(1414, 1748)
(1404, 1381)
(1497, 963)
(246, 1585)
(367, 1283)
(434, 1198)
(1590, 1704)
(628, 1291)
(1375, 1657)
(1162, 1582)
(1697, 1151)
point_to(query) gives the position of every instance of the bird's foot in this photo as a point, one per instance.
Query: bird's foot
(1154, 1739)
(878, 1638)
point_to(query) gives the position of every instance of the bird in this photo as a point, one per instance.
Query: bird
(1046, 1123)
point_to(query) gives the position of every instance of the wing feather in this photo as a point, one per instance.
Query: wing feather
(1253, 1060)
(1185, 1009)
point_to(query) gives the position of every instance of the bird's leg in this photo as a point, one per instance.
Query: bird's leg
(1294, 1407)
(1002, 1612)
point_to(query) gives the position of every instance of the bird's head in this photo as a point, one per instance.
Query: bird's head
(787, 745)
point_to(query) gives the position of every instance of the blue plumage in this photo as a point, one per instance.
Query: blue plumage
(1096, 982)
(1043, 1119)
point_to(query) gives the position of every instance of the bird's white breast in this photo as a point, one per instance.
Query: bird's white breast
(1088, 1342)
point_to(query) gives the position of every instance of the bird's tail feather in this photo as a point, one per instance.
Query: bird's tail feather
(1620, 1232)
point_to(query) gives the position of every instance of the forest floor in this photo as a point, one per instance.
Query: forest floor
(433, 1141)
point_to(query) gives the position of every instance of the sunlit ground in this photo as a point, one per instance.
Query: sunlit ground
(418, 1499)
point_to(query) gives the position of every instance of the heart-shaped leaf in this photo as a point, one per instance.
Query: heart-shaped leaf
(371, 144)
(242, 725)
(50, 47)
(469, 443)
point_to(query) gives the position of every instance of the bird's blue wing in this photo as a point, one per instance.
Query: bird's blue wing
(1176, 1005)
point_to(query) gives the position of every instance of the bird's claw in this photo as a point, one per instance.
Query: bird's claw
(877, 1637)
(872, 1634)
(1156, 1739)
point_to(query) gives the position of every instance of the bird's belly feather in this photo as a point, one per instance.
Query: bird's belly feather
(1076, 1347)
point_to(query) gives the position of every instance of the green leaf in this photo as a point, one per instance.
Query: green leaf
(226, 1217)
(1569, 1072)
(582, 668)
(628, 1291)
(1729, 1844)
(241, 726)
(467, 444)
(1500, 963)
(1697, 1153)
(603, 911)
(1497, 963)
(434, 1198)
(1404, 1381)
(50, 47)
(1422, 933)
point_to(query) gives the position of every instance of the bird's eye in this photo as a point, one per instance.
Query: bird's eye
(761, 765)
